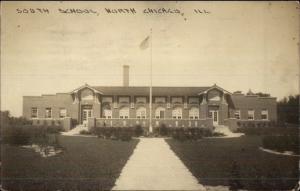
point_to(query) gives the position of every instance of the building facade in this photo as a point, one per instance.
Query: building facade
(127, 106)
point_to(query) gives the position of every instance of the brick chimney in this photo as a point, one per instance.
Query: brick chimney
(125, 75)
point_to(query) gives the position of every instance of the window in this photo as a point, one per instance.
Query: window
(34, 112)
(160, 113)
(107, 113)
(194, 113)
(177, 113)
(264, 114)
(48, 113)
(62, 113)
(141, 112)
(237, 114)
(124, 113)
(250, 114)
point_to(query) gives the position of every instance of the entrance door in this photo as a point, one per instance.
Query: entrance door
(86, 113)
(214, 114)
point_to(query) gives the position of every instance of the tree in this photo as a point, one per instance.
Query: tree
(288, 110)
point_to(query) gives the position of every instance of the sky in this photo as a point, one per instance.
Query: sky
(237, 45)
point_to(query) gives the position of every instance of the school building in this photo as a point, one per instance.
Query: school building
(128, 106)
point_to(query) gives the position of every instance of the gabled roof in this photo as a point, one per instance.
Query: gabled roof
(145, 90)
(86, 86)
(215, 87)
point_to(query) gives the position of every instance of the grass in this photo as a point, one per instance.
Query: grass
(237, 162)
(86, 164)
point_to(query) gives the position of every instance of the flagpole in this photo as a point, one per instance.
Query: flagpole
(150, 100)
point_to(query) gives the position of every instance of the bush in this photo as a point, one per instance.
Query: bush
(282, 143)
(268, 130)
(163, 130)
(16, 136)
(28, 134)
(84, 132)
(138, 131)
(183, 134)
(115, 133)
(54, 129)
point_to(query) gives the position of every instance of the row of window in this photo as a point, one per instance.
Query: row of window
(191, 100)
(159, 113)
(48, 112)
(264, 114)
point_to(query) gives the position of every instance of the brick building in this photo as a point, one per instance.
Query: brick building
(129, 106)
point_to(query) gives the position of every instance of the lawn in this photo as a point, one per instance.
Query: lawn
(86, 164)
(237, 162)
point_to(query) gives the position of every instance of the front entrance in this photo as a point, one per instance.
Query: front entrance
(214, 114)
(86, 113)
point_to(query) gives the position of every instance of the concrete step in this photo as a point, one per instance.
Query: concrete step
(226, 131)
(76, 130)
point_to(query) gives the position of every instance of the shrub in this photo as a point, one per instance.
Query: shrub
(282, 143)
(183, 134)
(138, 131)
(115, 133)
(16, 136)
(28, 134)
(84, 132)
(269, 130)
(163, 130)
(54, 129)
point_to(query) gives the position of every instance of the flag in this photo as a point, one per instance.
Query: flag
(145, 43)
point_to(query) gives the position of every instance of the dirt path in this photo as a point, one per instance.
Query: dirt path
(154, 166)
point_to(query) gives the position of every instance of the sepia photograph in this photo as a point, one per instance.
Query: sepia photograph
(149, 95)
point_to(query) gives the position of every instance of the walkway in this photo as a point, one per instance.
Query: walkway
(154, 166)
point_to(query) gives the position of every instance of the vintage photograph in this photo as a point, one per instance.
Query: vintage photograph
(149, 95)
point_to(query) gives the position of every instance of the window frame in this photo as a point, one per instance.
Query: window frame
(175, 115)
(50, 109)
(37, 113)
(193, 112)
(252, 110)
(107, 116)
(121, 115)
(237, 111)
(267, 114)
(60, 109)
(141, 112)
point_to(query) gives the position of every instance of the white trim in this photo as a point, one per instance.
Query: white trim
(85, 86)
(215, 87)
